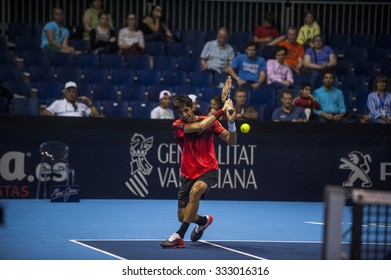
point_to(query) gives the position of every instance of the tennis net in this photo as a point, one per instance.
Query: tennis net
(361, 231)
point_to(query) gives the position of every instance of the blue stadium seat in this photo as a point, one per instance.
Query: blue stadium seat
(355, 54)
(339, 42)
(174, 78)
(178, 49)
(353, 82)
(348, 98)
(267, 52)
(20, 29)
(3, 44)
(59, 59)
(23, 44)
(219, 79)
(18, 88)
(378, 54)
(344, 67)
(104, 91)
(164, 63)
(79, 44)
(131, 93)
(154, 91)
(112, 61)
(7, 58)
(66, 74)
(84, 89)
(142, 110)
(40, 74)
(384, 41)
(154, 48)
(210, 35)
(115, 109)
(209, 92)
(49, 90)
(188, 64)
(265, 112)
(35, 58)
(264, 95)
(192, 36)
(195, 49)
(180, 90)
(25, 106)
(138, 62)
(200, 79)
(361, 98)
(148, 77)
(37, 30)
(95, 75)
(240, 37)
(299, 79)
(10, 73)
(363, 40)
(385, 68)
(87, 60)
(122, 76)
(365, 68)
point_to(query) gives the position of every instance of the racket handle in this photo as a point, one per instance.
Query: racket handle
(230, 111)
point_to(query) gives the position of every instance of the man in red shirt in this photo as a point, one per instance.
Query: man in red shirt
(199, 165)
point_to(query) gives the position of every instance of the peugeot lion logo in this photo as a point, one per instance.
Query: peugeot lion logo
(139, 165)
(358, 164)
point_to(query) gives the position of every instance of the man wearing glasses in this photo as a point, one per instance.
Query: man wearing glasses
(71, 105)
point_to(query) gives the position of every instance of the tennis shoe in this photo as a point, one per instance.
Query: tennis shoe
(174, 241)
(198, 231)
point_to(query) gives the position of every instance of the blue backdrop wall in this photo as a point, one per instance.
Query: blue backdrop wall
(127, 158)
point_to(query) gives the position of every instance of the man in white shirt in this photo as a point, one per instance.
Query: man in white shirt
(162, 111)
(71, 105)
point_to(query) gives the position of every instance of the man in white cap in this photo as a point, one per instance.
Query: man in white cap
(162, 111)
(71, 105)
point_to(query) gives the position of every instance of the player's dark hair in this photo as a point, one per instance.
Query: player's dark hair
(182, 101)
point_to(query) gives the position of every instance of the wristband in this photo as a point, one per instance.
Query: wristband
(218, 114)
(231, 127)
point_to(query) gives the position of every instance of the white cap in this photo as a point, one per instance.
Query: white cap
(193, 97)
(70, 85)
(164, 93)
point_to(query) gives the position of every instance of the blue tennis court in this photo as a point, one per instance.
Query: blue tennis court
(133, 230)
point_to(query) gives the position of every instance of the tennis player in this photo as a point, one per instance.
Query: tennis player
(199, 165)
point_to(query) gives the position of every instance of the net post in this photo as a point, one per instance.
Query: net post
(334, 198)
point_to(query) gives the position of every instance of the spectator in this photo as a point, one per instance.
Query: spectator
(71, 105)
(217, 54)
(130, 39)
(196, 105)
(163, 111)
(306, 101)
(379, 101)
(331, 100)
(287, 112)
(102, 38)
(320, 58)
(216, 103)
(54, 37)
(309, 30)
(278, 74)
(154, 27)
(295, 50)
(91, 18)
(248, 69)
(267, 33)
(244, 112)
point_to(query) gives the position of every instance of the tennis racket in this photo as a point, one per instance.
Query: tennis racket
(225, 93)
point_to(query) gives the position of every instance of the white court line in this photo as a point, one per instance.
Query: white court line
(96, 249)
(232, 250)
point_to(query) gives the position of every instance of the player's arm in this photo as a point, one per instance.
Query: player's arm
(203, 125)
(230, 135)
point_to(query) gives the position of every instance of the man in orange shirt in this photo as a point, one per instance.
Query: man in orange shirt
(295, 54)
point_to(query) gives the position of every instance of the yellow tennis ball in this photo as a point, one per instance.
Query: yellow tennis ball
(245, 128)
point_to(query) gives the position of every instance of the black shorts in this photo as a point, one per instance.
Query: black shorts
(209, 178)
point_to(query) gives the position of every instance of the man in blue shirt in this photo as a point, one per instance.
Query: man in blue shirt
(287, 112)
(331, 100)
(248, 69)
(54, 37)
